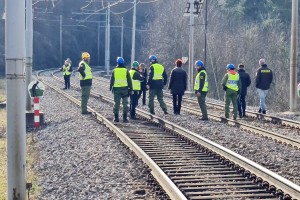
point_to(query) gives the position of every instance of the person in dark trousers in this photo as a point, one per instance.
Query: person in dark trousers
(33, 89)
(67, 70)
(121, 86)
(156, 81)
(136, 79)
(86, 77)
(201, 87)
(143, 71)
(177, 85)
(263, 80)
(231, 84)
(245, 81)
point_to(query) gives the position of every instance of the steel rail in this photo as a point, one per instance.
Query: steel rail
(246, 165)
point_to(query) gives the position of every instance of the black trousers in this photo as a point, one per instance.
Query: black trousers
(177, 98)
(67, 81)
(133, 103)
(143, 92)
(242, 105)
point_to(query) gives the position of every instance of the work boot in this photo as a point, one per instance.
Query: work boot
(264, 112)
(259, 111)
(116, 118)
(86, 113)
(166, 112)
(152, 112)
(125, 120)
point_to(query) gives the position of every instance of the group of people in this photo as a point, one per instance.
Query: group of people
(133, 84)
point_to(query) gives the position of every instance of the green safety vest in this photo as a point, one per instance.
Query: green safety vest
(197, 82)
(136, 84)
(158, 71)
(87, 71)
(120, 75)
(66, 69)
(232, 82)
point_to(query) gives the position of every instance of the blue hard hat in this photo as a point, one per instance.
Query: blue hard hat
(152, 58)
(230, 66)
(120, 60)
(199, 63)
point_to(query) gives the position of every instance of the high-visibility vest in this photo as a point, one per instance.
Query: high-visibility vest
(66, 69)
(120, 75)
(158, 71)
(136, 84)
(232, 82)
(87, 71)
(197, 82)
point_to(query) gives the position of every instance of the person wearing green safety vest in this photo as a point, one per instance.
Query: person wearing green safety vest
(231, 84)
(201, 87)
(121, 86)
(67, 69)
(86, 77)
(136, 79)
(156, 81)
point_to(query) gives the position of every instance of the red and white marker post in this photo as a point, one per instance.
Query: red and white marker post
(36, 109)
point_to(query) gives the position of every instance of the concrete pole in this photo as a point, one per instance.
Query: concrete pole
(60, 39)
(191, 47)
(293, 58)
(107, 56)
(15, 93)
(106, 42)
(205, 33)
(98, 44)
(133, 32)
(29, 43)
(122, 37)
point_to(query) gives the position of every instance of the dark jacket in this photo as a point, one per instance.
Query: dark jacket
(156, 84)
(137, 75)
(112, 80)
(87, 82)
(245, 80)
(178, 79)
(145, 75)
(264, 77)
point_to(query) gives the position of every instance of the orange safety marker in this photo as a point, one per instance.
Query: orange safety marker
(36, 109)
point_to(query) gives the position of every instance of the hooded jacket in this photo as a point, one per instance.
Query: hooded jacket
(245, 80)
(264, 77)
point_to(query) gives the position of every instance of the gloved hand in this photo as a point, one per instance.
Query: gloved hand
(224, 87)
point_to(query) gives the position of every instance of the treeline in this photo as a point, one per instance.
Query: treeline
(238, 31)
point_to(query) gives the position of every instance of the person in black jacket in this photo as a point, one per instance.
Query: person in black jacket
(263, 80)
(246, 81)
(177, 85)
(144, 73)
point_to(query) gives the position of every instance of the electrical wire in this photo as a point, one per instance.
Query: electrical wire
(149, 1)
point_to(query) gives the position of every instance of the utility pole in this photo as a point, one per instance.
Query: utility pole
(122, 37)
(60, 38)
(133, 32)
(293, 57)
(107, 37)
(205, 33)
(15, 93)
(28, 61)
(191, 47)
(98, 42)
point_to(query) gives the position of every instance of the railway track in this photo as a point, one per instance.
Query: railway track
(188, 166)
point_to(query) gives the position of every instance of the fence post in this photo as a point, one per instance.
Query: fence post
(36, 108)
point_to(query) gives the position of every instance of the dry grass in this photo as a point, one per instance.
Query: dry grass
(2, 89)
(2, 168)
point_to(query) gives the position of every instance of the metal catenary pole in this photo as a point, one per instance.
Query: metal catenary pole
(122, 37)
(60, 39)
(15, 93)
(133, 32)
(293, 58)
(29, 43)
(191, 46)
(107, 56)
(98, 44)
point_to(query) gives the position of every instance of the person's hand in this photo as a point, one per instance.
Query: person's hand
(148, 87)
(131, 92)
(198, 94)
(224, 88)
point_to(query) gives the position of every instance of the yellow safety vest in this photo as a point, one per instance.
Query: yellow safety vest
(66, 69)
(232, 82)
(136, 84)
(158, 71)
(87, 71)
(197, 82)
(120, 75)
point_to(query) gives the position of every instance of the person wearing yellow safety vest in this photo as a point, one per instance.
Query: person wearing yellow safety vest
(201, 87)
(121, 86)
(156, 81)
(136, 79)
(231, 83)
(86, 77)
(67, 70)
